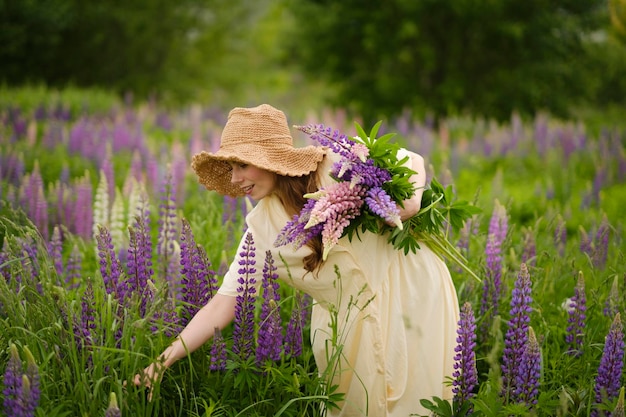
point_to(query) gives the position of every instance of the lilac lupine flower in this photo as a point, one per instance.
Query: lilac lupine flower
(381, 204)
(608, 381)
(113, 409)
(560, 236)
(243, 331)
(611, 305)
(465, 374)
(338, 205)
(55, 249)
(601, 245)
(492, 284)
(34, 200)
(198, 282)
(517, 332)
(293, 335)
(528, 372)
(110, 267)
(586, 242)
(13, 384)
(218, 352)
(577, 309)
(270, 337)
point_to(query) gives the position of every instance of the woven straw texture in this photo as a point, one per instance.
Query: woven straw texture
(257, 136)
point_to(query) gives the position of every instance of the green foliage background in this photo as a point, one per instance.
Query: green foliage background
(377, 60)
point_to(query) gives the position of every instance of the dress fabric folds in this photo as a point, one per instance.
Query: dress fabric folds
(396, 316)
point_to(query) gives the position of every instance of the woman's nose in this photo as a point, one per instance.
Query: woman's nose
(235, 177)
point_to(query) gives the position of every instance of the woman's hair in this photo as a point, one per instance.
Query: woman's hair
(291, 191)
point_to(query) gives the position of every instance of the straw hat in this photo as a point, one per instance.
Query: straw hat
(257, 136)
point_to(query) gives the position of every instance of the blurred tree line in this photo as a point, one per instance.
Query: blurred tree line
(377, 59)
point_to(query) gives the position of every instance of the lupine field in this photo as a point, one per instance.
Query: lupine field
(108, 246)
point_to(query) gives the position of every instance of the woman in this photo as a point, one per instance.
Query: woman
(396, 313)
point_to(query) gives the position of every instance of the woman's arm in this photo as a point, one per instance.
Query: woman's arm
(413, 204)
(218, 312)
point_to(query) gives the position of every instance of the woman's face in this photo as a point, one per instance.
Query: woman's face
(255, 182)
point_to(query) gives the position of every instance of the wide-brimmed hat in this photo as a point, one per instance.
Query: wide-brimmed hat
(258, 136)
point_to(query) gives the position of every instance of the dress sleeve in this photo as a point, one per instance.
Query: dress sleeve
(265, 222)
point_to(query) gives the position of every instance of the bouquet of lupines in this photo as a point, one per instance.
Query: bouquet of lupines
(370, 184)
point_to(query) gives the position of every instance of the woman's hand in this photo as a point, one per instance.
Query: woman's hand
(149, 376)
(217, 313)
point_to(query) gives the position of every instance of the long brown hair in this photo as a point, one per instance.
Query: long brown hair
(291, 191)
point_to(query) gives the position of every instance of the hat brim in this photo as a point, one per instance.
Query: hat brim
(215, 173)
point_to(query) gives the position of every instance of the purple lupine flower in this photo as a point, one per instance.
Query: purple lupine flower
(73, 269)
(13, 384)
(218, 352)
(55, 249)
(305, 307)
(113, 409)
(465, 374)
(381, 204)
(243, 330)
(601, 245)
(270, 337)
(198, 282)
(110, 267)
(576, 311)
(608, 381)
(293, 335)
(86, 325)
(139, 262)
(365, 173)
(517, 332)
(333, 139)
(612, 302)
(492, 284)
(295, 232)
(528, 372)
(82, 212)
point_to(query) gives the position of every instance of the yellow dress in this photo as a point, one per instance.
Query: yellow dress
(396, 314)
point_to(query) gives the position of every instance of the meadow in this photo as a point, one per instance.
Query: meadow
(108, 245)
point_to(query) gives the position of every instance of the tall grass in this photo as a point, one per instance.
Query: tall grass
(554, 190)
